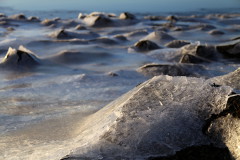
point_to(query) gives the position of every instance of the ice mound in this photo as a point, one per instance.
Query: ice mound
(231, 50)
(191, 53)
(18, 17)
(65, 34)
(126, 15)
(21, 58)
(177, 43)
(98, 20)
(144, 46)
(194, 70)
(158, 118)
(159, 37)
(206, 52)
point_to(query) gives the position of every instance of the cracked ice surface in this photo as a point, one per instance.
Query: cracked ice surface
(157, 118)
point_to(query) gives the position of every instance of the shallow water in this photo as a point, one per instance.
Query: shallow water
(42, 108)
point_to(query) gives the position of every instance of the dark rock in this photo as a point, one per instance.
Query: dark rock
(207, 51)
(232, 108)
(230, 50)
(205, 152)
(177, 44)
(145, 45)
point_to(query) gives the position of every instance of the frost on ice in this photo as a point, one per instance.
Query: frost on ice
(158, 118)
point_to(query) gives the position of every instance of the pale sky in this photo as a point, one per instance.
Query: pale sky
(123, 5)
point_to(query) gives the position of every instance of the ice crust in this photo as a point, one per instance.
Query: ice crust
(157, 118)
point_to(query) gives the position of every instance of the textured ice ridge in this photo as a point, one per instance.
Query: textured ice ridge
(157, 118)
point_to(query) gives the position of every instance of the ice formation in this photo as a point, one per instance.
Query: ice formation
(159, 117)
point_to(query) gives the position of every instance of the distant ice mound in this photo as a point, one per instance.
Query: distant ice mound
(159, 37)
(65, 34)
(144, 46)
(178, 69)
(160, 117)
(20, 58)
(99, 19)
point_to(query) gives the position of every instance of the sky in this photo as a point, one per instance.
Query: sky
(123, 5)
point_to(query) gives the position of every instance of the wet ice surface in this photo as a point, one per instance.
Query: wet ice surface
(66, 72)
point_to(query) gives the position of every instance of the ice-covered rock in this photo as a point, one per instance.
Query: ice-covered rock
(126, 15)
(189, 58)
(158, 118)
(21, 58)
(18, 17)
(34, 19)
(177, 44)
(65, 34)
(198, 53)
(159, 37)
(231, 50)
(49, 22)
(98, 20)
(152, 70)
(80, 27)
(144, 46)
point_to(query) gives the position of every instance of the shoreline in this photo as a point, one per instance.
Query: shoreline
(126, 67)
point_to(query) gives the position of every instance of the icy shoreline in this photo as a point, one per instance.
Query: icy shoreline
(58, 74)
